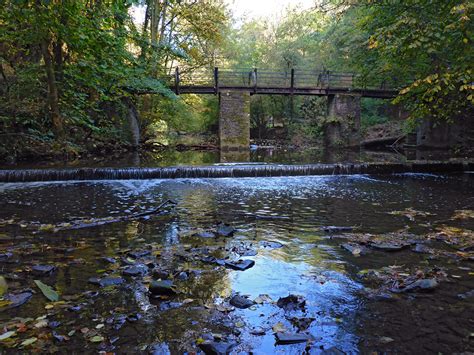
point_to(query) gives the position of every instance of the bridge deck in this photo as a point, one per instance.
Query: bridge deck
(292, 82)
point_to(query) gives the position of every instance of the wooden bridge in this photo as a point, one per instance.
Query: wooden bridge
(269, 82)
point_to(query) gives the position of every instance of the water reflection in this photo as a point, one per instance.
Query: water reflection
(172, 157)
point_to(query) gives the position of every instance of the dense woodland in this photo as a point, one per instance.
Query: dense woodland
(74, 75)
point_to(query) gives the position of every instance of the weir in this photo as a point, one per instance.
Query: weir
(231, 171)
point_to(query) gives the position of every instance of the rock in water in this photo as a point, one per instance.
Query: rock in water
(162, 288)
(5, 256)
(159, 349)
(16, 300)
(139, 253)
(419, 285)
(420, 248)
(389, 246)
(241, 302)
(240, 265)
(215, 348)
(354, 248)
(106, 281)
(292, 338)
(136, 270)
(291, 303)
(204, 235)
(224, 230)
(43, 269)
(270, 244)
(467, 295)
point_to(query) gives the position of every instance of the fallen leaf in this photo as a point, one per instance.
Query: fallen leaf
(48, 292)
(7, 335)
(41, 324)
(97, 339)
(28, 341)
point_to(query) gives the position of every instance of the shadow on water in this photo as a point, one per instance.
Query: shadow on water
(287, 211)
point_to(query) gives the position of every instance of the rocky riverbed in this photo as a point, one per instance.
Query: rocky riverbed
(320, 264)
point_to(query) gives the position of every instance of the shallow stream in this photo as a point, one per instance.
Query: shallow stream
(354, 298)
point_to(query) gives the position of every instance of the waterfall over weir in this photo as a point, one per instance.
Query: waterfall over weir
(234, 171)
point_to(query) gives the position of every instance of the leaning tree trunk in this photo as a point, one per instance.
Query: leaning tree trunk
(52, 90)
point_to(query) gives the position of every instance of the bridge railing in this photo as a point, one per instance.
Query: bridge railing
(291, 79)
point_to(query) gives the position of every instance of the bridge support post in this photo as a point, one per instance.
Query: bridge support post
(342, 126)
(234, 120)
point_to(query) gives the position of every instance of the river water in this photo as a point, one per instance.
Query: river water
(344, 311)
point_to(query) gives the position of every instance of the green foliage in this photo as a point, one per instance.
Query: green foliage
(80, 64)
(429, 44)
(371, 112)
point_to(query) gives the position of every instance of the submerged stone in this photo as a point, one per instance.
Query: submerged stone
(216, 348)
(43, 269)
(204, 234)
(162, 288)
(466, 295)
(5, 256)
(270, 244)
(354, 248)
(420, 248)
(159, 349)
(388, 246)
(109, 260)
(16, 299)
(138, 253)
(224, 230)
(258, 331)
(183, 276)
(241, 302)
(292, 338)
(106, 281)
(419, 285)
(240, 265)
(136, 270)
(164, 306)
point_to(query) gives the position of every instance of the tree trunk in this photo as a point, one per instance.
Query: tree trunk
(144, 30)
(163, 22)
(53, 97)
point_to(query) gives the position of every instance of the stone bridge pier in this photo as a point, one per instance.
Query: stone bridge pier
(342, 126)
(234, 120)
